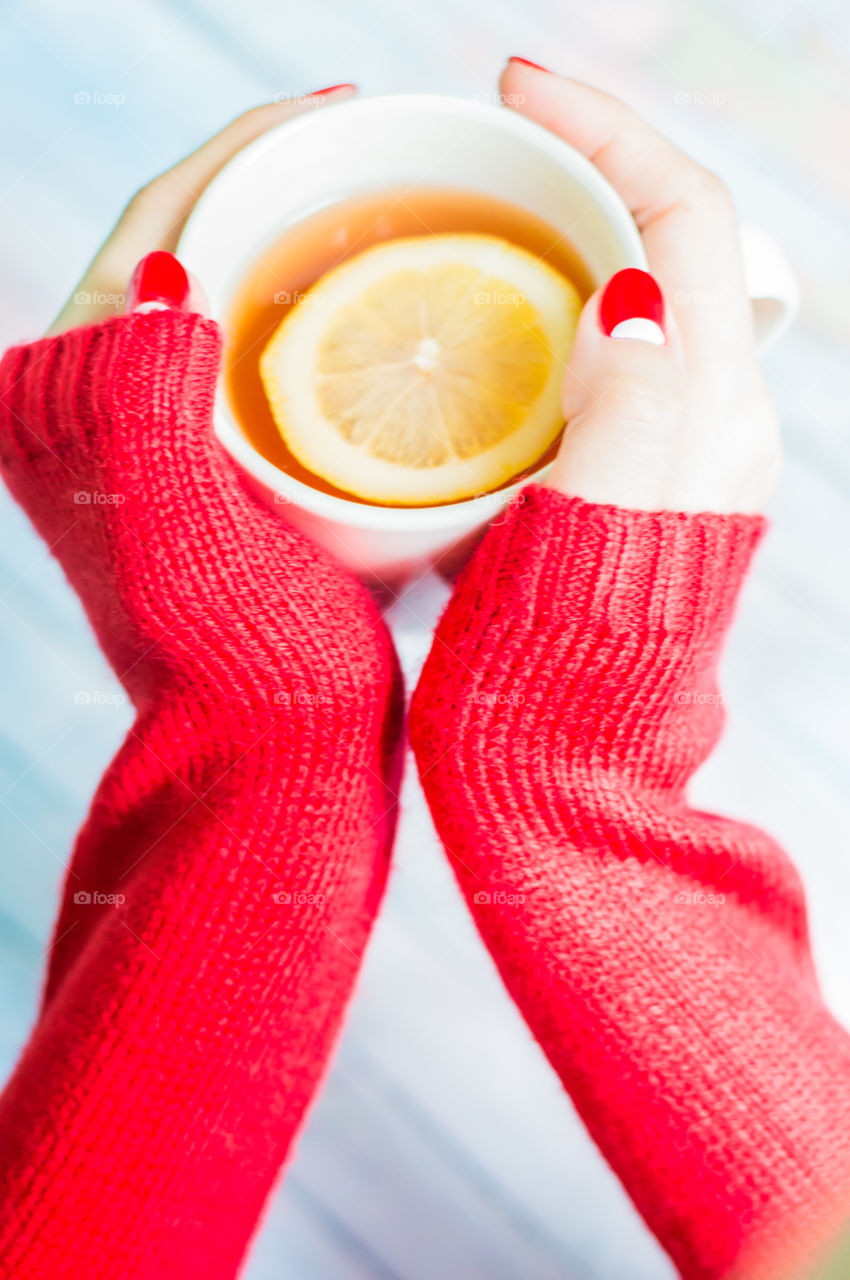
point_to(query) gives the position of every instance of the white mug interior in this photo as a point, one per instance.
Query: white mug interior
(401, 142)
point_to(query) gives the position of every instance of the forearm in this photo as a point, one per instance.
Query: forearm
(235, 853)
(658, 953)
(175, 1058)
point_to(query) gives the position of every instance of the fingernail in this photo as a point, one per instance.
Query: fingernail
(320, 93)
(535, 66)
(632, 306)
(159, 283)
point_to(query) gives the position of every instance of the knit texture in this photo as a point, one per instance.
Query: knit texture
(223, 887)
(658, 953)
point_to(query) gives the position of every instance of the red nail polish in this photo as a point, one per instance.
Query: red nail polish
(320, 93)
(535, 66)
(159, 282)
(632, 295)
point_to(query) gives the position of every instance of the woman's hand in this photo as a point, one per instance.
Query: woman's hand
(198, 594)
(111, 417)
(156, 215)
(659, 953)
(224, 884)
(688, 425)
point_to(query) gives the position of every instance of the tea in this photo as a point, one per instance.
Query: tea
(326, 238)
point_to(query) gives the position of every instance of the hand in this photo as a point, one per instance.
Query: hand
(687, 425)
(106, 440)
(155, 216)
(145, 402)
(225, 882)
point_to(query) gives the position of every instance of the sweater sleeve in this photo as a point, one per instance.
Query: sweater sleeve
(223, 887)
(659, 953)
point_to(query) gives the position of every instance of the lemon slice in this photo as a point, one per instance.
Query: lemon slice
(424, 370)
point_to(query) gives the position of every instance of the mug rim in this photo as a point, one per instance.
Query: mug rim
(345, 511)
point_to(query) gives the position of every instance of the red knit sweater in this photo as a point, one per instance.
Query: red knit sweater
(659, 953)
(224, 884)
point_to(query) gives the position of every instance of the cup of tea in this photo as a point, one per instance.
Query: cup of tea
(330, 185)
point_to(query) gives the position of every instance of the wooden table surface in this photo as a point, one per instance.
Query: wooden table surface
(442, 1145)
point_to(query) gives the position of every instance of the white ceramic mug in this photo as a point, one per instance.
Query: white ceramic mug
(399, 141)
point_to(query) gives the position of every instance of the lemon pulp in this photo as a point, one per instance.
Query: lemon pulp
(426, 369)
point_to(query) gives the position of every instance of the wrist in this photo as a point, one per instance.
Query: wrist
(576, 625)
(561, 560)
(105, 382)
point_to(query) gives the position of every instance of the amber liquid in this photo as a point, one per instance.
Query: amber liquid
(291, 264)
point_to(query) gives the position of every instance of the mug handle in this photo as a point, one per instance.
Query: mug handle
(771, 284)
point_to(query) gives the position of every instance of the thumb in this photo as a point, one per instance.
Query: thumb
(623, 400)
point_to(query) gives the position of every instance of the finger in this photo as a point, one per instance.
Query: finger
(155, 216)
(624, 400)
(683, 211)
(160, 282)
